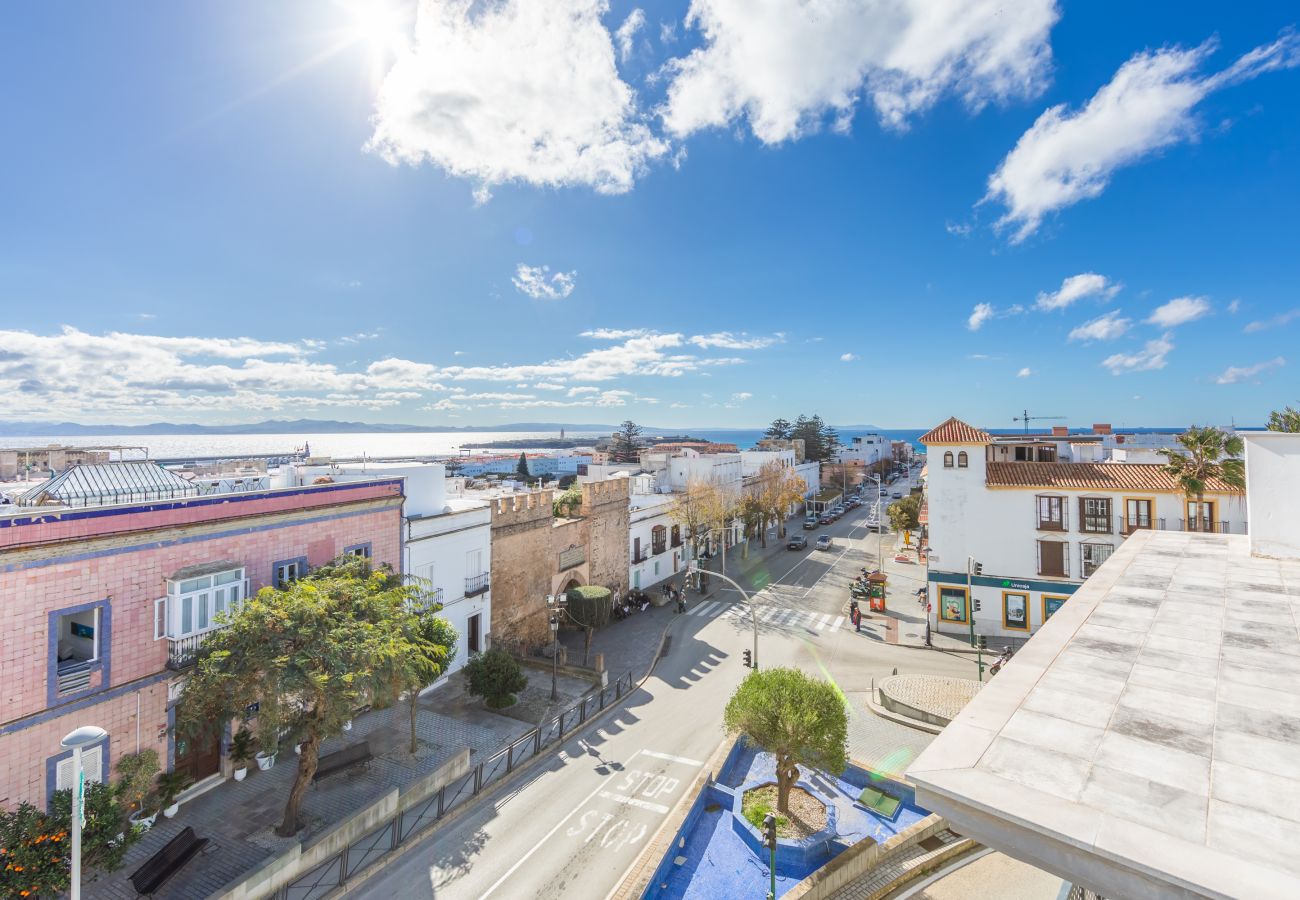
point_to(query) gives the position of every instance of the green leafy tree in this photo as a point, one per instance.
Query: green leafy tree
(589, 607)
(309, 655)
(626, 443)
(798, 719)
(905, 514)
(830, 439)
(1284, 420)
(779, 430)
(566, 504)
(433, 641)
(820, 441)
(1206, 453)
(522, 468)
(496, 676)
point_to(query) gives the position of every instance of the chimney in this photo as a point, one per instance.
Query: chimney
(1060, 431)
(1102, 428)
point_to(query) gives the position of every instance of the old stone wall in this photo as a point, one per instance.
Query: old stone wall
(606, 514)
(522, 563)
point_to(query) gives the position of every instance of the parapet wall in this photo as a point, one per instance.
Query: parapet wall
(521, 508)
(603, 493)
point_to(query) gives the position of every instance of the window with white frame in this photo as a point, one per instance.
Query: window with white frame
(192, 605)
(289, 571)
(1094, 555)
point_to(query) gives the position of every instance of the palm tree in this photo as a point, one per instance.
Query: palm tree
(1284, 420)
(1207, 453)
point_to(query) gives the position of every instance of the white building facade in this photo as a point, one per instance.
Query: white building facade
(866, 450)
(446, 544)
(1038, 528)
(656, 549)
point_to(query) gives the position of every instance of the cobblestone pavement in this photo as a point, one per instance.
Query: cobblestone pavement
(879, 744)
(938, 694)
(239, 818)
(894, 868)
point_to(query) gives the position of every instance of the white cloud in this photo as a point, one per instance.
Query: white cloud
(1066, 157)
(785, 65)
(1179, 311)
(1276, 322)
(1025, 372)
(1234, 307)
(1151, 356)
(579, 391)
(1075, 288)
(514, 91)
(731, 341)
(1238, 374)
(614, 334)
(848, 357)
(626, 33)
(540, 283)
(737, 399)
(1103, 328)
(979, 315)
(959, 229)
(548, 386)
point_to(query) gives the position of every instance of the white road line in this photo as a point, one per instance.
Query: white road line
(523, 859)
(633, 801)
(705, 609)
(821, 622)
(835, 625)
(684, 760)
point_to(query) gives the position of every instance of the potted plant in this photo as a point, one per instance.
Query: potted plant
(170, 785)
(241, 751)
(266, 756)
(135, 775)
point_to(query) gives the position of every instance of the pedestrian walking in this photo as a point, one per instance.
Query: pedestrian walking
(681, 600)
(855, 615)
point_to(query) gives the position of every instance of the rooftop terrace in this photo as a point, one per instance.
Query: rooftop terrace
(1146, 742)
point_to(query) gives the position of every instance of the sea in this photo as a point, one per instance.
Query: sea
(399, 444)
(349, 445)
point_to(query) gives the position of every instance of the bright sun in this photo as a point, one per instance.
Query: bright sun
(382, 27)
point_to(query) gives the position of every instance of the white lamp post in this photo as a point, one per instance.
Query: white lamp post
(84, 737)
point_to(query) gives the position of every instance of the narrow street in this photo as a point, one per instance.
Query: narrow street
(574, 827)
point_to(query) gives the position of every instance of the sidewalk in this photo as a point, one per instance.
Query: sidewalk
(239, 818)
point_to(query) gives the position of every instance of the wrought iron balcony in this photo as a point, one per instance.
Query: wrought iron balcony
(477, 584)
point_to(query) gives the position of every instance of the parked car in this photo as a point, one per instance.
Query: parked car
(825, 542)
(797, 542)
(838, 511)
(810, 523)
(896, 495)
(826, 519)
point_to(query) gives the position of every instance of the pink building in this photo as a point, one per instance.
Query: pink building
(102, 606)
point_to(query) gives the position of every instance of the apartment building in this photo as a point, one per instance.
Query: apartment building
(112, 575)
(1040, 514)
(866, 450)
(656, 546)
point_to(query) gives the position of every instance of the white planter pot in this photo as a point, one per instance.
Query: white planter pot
(171, 811)
(297, 749)
(142, 821)
(241, 773)
(264, 762)
(347, 726)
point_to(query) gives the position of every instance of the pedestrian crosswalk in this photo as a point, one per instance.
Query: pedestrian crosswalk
(770, 615)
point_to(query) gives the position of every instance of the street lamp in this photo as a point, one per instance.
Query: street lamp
(693, 569)
(83, 738)
(555, 605)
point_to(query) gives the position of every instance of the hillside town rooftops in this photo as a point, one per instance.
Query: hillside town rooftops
(1092, 476)
(955, 431)
(1143, 743)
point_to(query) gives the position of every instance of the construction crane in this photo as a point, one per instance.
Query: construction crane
(1027, 418)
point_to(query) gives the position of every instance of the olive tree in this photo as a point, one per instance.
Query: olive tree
(798, 719)
(306, 656)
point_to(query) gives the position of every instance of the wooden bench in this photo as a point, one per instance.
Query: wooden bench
(330, 763)
(167, 862)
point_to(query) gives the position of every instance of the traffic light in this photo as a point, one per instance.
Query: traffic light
(977, 569)
(749, 659)
(982, 640)
(977, 604)
(769, 831)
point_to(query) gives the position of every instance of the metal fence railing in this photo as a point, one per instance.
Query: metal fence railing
(412, 824)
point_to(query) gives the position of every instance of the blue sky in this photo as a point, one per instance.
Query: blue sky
(490, 212)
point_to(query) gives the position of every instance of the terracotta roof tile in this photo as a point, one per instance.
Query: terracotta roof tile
(1090, 476)
(955, 431)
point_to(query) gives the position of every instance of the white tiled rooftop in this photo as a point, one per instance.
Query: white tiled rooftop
(1146, 742)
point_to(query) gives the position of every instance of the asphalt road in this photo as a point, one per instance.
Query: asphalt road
(575, 826)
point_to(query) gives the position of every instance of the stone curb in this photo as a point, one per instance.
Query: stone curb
(900, 719)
